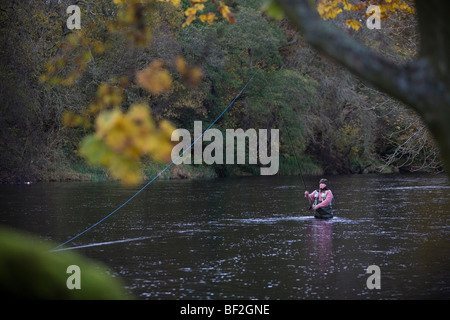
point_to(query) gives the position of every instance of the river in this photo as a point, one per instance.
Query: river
(252, 237)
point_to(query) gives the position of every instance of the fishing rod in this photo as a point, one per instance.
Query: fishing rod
(159, 174)
(168, 166)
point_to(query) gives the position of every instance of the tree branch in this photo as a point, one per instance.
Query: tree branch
(387, 76)
(423, 85)
(432, 16)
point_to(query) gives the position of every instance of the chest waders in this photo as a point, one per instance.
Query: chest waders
(325, 212)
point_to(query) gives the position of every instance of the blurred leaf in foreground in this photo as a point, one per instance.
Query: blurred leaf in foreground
(121, 140)
(28, 270)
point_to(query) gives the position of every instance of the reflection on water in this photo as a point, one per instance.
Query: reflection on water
(320, 243)
(252, 238)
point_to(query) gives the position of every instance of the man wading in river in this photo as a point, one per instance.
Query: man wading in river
(323, 200)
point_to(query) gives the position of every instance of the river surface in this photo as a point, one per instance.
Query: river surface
(253, 237)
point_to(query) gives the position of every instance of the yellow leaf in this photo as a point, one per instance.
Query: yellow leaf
(98, 47)
(355, 24)
(194, 2)
(193, 10)
(122, 139)
(347, 6)
(226, 13)
(107, 123)
(181, 64)
(108, 96)
(210, 17)
(70, 119)
(189, 20)
(192, 75)
(154, 78)
(72, 39)
(166, 127)
(191, 13)
(328, 9)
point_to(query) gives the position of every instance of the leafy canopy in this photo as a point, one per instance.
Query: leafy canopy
(121, 139)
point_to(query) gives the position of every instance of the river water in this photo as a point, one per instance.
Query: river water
(253, 237)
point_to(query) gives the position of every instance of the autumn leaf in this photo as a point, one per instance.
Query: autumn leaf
(76, 52)
(226, 13)
(97, 153)
(209, 18)
(69, 119)
(328, 10)
(121, 140)
(189, 20)
(108, 95)
(191, 13)
(198, 5)
(132, 21)
(194, 2)
(192, 75)
(154, 78)
(347, 6)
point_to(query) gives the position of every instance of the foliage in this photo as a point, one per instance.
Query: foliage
(421, 82)
(28, 131)
(185, 61)
(329, 9)
(120, 140)
(199, 5)
(29, 271)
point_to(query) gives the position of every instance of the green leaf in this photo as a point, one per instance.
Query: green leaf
(273, 10)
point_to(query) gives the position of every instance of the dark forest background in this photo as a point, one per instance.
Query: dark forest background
(333, 122)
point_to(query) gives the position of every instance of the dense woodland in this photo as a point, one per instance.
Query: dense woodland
(329, 120)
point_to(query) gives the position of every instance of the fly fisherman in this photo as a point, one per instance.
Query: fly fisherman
(323, 200)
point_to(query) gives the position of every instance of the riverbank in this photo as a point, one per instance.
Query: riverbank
(69, 169)
(66, 166)
(79, 171)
